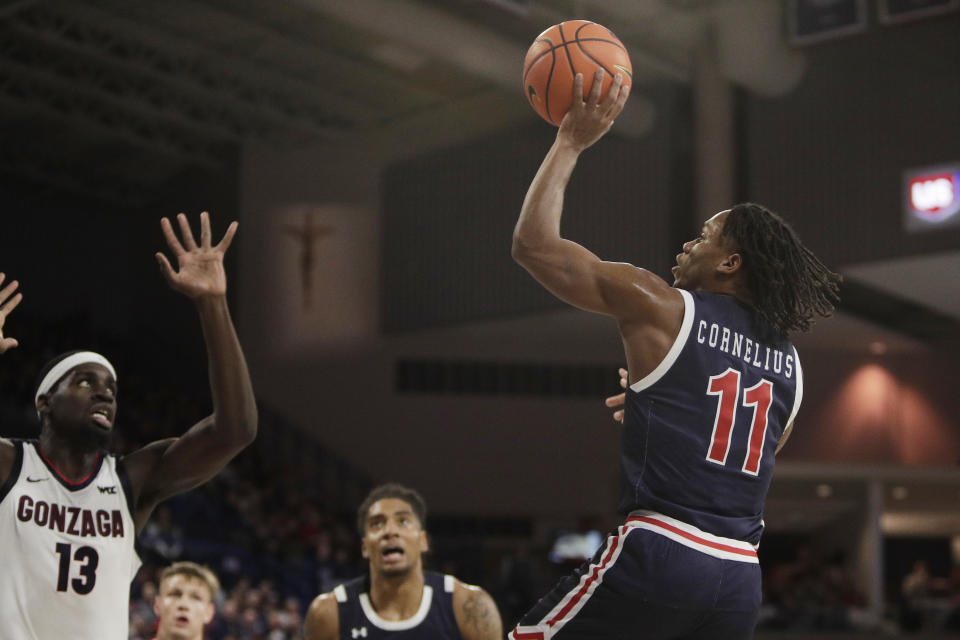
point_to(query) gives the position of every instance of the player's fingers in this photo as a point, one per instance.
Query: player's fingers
(7, 344)
(616, 401)
(172, 241)
(165, 267)
(618, 416)
(612, 92)
(10, 305)
(597, 87)
(8, 290)
(186, 232)
(224, 243)
(204, 229)
(577, 91)
(616, 105)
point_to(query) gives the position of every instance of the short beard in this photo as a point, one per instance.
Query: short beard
(83, 438)
(395, 573)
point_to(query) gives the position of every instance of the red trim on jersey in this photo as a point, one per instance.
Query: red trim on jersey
(96, 466)
(689, 536)
(527, 635)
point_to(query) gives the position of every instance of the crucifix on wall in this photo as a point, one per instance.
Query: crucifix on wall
(307, 233)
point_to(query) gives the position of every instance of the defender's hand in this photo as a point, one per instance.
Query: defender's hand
(200, 270)
(587, 121)
(8, 302)
(620, 399)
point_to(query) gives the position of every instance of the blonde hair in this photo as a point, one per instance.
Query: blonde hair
(192, 570)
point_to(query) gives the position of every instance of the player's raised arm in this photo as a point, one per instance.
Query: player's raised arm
(322, 621)
(9, 299)
(476, 613)
(8, 302)
(567, 269)
(168, 467)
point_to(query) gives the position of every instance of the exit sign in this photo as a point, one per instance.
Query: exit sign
(931, 197)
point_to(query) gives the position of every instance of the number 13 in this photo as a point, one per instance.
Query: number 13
(727, 386)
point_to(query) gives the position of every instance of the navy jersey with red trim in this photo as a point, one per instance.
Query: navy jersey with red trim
(434, 620)
(701, 430)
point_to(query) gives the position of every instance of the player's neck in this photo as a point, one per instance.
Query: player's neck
(72, 463)
(735, 288)
(397, 598)
(161, 635)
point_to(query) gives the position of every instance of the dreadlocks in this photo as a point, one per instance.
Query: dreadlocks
(789, 283)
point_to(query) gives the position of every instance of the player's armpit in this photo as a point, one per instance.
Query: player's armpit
(476, 613)
(322, 621)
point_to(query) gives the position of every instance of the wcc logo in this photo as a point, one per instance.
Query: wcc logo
(932, 197)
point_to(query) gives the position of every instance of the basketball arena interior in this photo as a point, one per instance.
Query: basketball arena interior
(376, 154)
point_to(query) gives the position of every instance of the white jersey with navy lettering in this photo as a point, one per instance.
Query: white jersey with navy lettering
(68, 551)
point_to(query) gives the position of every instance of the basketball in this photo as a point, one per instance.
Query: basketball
(559, 54)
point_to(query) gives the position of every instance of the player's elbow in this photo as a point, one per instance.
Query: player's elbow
(242, 430)
(524, 249)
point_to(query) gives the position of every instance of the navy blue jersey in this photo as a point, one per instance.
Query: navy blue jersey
(700, 431)
(434, 620)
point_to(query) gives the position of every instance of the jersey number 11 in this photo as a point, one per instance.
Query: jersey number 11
(727, 386)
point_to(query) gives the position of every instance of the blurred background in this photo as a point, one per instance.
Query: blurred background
(376, 153)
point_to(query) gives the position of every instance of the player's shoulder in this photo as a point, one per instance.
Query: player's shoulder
(637, 293)
(636, 276)
(322, 621)
(475, 611)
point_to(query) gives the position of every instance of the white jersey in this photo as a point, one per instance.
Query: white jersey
(68, 555)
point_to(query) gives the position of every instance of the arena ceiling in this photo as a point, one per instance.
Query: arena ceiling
(115, 99)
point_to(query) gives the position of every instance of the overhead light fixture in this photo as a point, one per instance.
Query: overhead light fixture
(824, 491)
(878, 347)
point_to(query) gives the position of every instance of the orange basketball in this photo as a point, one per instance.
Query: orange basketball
(561, 52)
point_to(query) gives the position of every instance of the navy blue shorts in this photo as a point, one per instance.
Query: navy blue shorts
(654, 578)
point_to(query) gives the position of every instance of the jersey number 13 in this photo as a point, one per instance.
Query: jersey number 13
(88, 559)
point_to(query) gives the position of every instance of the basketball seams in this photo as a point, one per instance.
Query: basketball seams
(580, 46)
(554, 47)
(538, 77)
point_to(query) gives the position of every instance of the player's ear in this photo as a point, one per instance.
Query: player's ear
(730, 264)
(363, 548)
(43, 405)
(209, 615)
(424, 542)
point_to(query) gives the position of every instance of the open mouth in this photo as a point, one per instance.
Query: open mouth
(392, 554)
(182, 621)
(102, 418)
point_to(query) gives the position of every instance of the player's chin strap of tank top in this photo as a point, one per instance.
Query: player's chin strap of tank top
(63, 367)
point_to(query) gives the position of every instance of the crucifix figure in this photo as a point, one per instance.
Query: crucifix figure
(307, 233)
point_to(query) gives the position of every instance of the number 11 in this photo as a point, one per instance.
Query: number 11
(727, 386)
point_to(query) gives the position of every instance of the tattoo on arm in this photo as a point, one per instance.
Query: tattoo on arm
(478, 618)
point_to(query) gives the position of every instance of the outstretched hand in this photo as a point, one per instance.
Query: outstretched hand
(620, 399)
(589, 119)
(8, 302)
(200, 271)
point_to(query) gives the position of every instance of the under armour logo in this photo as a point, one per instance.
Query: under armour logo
(359, 633)
(29, 479)
(111, 490)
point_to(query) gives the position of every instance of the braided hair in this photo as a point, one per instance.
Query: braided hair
(790, 285)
